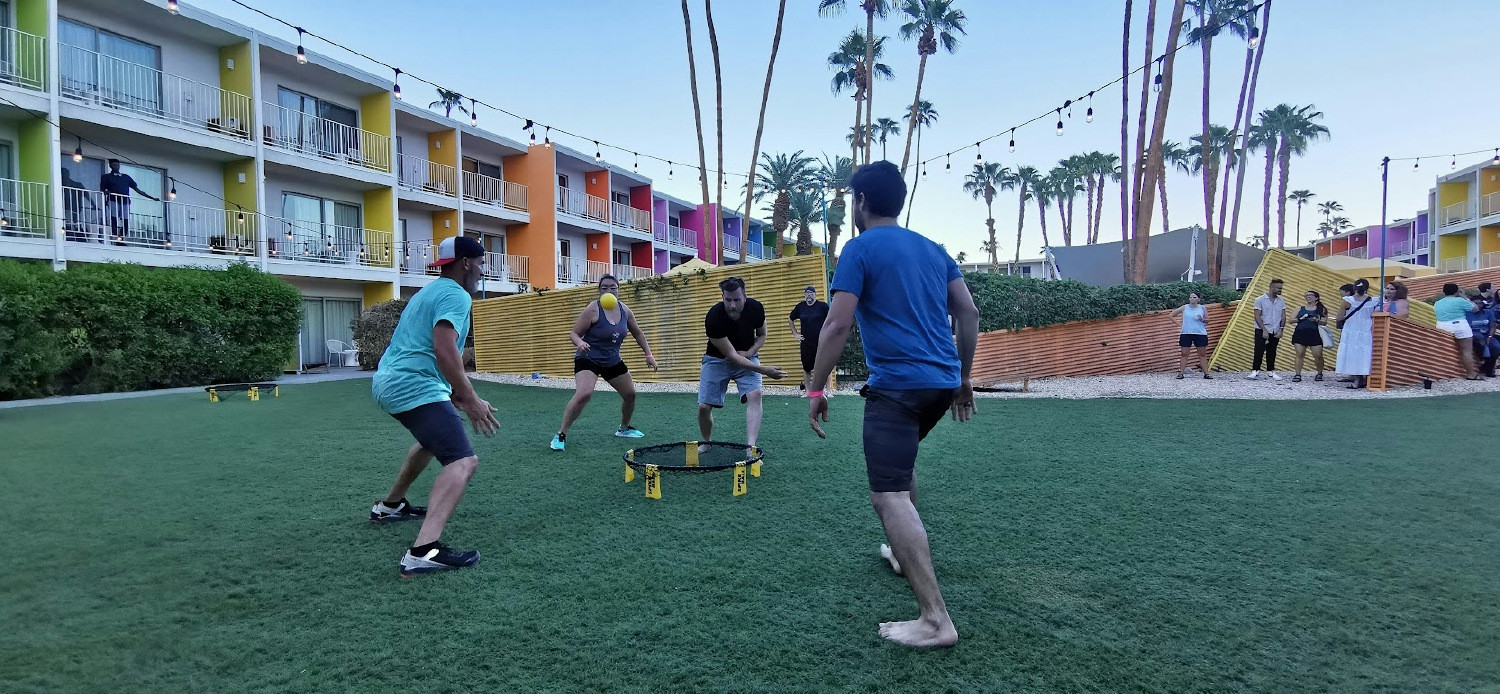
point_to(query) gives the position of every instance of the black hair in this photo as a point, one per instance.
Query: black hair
(1361, 284)
(1485, 286)
(1346, 288)
(1277, 282)
(811, 289)
(731, 283)
(609, 277)
(1450, 289)
(1318, 301)
(882, 186)
(113, 161)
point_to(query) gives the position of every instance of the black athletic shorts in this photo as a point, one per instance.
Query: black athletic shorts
(439, 428)
(608, 373)
(895, 422)
(809, 352)
(1186, 340)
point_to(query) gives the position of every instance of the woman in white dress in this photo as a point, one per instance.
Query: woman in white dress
(1357, 340)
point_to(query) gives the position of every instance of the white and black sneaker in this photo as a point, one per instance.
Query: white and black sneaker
(436, 557)
(403, 510)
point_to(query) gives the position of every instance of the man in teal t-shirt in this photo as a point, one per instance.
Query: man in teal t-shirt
(421, 382)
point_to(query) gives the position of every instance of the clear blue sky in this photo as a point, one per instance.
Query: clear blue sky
(1392, 77)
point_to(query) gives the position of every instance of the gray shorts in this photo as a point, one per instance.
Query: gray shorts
(714, 378)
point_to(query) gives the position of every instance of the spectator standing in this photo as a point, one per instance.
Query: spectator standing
(1482, 325)
(1308, 335)
(1396, 302)
(1357, 343)
(1193, 335)
(1452, 317)
(1270, 319)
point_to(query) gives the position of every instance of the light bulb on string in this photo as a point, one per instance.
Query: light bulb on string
(1417, 164)
(1069, 105)
(1453, 164)
(948, 167)
(924, 172)
(172, 6)
(1254, 37)
(598, 155)
(1012, 139)
(473, 113)
(1156, 83)
(669, 171)
(301, 52)
(78, 152)
(636, 163)
(172, 192)
(240, 216)
(1059, 123)
(396, 86)
(1089, 115)
(547, 138)
(1496, 160)
(530, 126)
(978, 155)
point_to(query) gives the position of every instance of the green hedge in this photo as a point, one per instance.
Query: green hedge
(117, 327)
(373, 330)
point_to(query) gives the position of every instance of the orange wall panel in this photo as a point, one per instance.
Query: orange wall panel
(1141, 343)
(537, 240)
(598, 247)
(1420, 288)
(1405, 352)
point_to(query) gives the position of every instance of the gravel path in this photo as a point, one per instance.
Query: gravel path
(1223, 386)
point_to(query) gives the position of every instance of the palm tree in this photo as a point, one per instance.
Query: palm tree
(981, 184)
(834, 175)
(1300, 196)
(1061, 187)
(1262, 139)
(713, 44)
(1103, 167)
(1255, 50)
(1078, 172)
(1174, 155)
(961, 257)
(1210, 18)
(885, 128)
(1328, 209)
(1340, 224)
(1042, 192)
(871, 8)
(924, 115)
(713, 231)
(1150, 150)
(1296, 129)
(765, 96)
(783, 174)
(449, 100)
(933, 22)
(1025, 179)
(849, 73)
(803, 211)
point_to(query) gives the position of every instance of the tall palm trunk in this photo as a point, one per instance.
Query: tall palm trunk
(915, 179)
(1020, 224)
(1154, 169)
(687, 27)
(1161, 189)
(869, 7)
(1265, 216)
(989, 207)
(1062, 221)
(1126, 178)
(1099, 204)
(1285, 157)
(837, 206)
(1210, 171)
(1299, 222)
(760, 125)
(713, 44)
(1041, 213)
(1068, 221)
(916, 103)
(1260, 52)
(1140, 236)
(1088, 209)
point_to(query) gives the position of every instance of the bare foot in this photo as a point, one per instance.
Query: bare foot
(888, 555)
(920, 634)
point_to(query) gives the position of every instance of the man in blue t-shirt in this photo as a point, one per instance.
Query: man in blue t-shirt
(903, 289)
(421, 382)
(116, 187)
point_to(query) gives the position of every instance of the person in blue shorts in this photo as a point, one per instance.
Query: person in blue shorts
(903, 289)
(736, 328)
(421, 382)
(597, 336)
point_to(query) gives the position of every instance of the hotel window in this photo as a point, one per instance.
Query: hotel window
(117, 70)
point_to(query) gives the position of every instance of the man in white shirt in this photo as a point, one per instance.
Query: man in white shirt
(1270, 319)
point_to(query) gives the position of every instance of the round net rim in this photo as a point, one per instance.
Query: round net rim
(760, 454)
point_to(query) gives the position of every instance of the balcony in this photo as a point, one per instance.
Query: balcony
(312, 136)
(415, 256)
(755, 249)
(313, 242)
(581, 204)
(1491, 259)
(95, 217)
(683, 239)
(100, 80)
(1489, 204)
(630, 272)
(1398, 248)
(431, 177)
(577, 271)
(23, 209)
(1453, 265)
(507, 268)
(731, 245)
(1455, 213)
(493, 191)
(622, 215)
(23, 61)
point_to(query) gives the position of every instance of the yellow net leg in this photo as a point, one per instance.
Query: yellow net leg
(275, 391)
(755, 469)
(653, 482)
(254, 395)
(629, 472)
(692, 454)
(739, 479)
(213, 395)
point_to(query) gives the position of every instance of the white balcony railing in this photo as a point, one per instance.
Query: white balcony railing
(1455, 213)
(1489, 204)
(1491, 259)
(23, 208)
(23, 59)
(732, 244)
(581, 204)
(659, 232)
(420, 174)
(686, 238)
(312, 242)
(319, 137)
(507, 268)
(415, 255)
(1453, 264)
(490, 190)
(631, 272)
(1404, 247)
(1422, 243)
(622, 215)
(575, 271)
(755, 249)
(113, 83)
(119, 220)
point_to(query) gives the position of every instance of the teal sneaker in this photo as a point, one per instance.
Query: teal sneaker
(559, 442)
(629, 433)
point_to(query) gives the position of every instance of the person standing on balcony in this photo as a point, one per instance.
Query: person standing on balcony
(812, 313)
(736, 328)
(1270, 318)
(116, 187)
(421, 382)
(75, 198)
(598, 334)
(902, 288)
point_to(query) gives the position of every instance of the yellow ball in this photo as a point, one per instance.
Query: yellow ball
(608, 302)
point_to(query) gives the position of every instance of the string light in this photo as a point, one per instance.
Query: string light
(978, 155)
(948, 167)
(547, 138)
(924, 172)
(1254, 37)
(598, 155)
(1156, 83)
(1012, 139)
(240, 216)
(1417, 164)
(396, 86)
(1496, 160)
(530, 126)
(172, 6)
(78, 152)
(636, 166)
(172, 193)
(1069, 105)
(669, 170)
(1453, 164)
(1089, 116)
(301, 52)
(473, 113)
(1059, 123)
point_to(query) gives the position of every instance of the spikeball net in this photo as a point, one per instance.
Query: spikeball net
(684, 456)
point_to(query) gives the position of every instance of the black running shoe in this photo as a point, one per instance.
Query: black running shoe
(403, 510)
(439, 558)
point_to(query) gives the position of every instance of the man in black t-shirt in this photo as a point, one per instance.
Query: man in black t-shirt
(812, 313)
(736, 328)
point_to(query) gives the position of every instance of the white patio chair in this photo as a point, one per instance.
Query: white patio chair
(347, 355)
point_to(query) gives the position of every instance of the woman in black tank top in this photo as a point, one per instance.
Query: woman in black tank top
(597, 336)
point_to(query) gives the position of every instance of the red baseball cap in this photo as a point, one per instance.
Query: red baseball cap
(456, 247)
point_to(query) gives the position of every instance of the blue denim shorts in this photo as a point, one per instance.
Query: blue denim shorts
(895, 422)
(438, 427)
(714, 378)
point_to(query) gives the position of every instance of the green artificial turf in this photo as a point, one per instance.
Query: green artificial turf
(167, 544)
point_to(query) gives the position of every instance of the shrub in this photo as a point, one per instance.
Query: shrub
(117, 327)
(373, 330)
